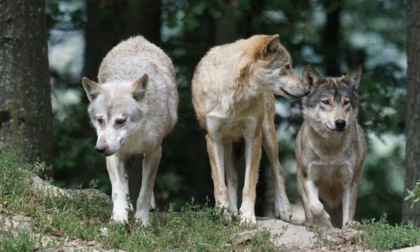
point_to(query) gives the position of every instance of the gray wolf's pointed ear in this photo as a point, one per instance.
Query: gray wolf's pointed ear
(311, 77)
(139, 87)
(270, 45)
(92, 88)
(353, 78)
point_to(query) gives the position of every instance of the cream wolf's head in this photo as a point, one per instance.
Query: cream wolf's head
(115, 110)
(271, 67)
(332, 104)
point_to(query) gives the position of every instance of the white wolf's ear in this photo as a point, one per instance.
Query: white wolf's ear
(139, 87)
(271, 45)
(311, 77)
(92, 88)
(353, 78)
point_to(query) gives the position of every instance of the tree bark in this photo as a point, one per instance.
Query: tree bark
(25, 103)
(412, 162)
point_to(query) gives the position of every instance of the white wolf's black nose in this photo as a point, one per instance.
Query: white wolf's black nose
(340, 124)
(100, 149)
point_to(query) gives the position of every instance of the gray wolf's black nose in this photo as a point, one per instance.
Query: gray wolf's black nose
(307, 92)
(340, 124)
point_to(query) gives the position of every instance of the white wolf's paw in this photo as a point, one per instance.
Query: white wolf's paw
(120, 217)
(143, 217)
(283, 210)
(224, 213)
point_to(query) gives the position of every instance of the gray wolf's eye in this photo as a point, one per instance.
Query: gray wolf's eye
(326, 102)
(120, 122)
(346, 102)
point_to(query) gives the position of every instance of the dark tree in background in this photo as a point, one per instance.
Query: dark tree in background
(412, 162)
(25, 104)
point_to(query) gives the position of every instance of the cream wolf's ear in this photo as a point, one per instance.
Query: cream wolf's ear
(139, 87)
(311, 77)
(271, 45)
(92, 88)
(353, 78)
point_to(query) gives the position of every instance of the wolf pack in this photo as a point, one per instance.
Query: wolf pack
(133, 107)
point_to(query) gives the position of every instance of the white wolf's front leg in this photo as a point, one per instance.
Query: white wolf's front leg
(119, 183)
(144, 202)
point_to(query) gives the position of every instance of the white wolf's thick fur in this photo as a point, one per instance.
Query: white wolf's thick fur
(233, 88)
(133, 107)
(330, 149)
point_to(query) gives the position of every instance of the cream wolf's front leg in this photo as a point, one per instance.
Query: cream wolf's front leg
(252, 160)
(216, 154)
(144, 202)
(282, 207)
(119, 183)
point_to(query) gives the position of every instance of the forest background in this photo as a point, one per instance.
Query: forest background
(334, 36)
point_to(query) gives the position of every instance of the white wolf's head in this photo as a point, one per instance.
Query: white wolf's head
(332, 104)
(115, 111)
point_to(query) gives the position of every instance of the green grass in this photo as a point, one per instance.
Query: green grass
(194, 228)
(382, 236)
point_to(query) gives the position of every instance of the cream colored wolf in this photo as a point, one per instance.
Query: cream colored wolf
(330, 148)
(233, 87)
(133, 107)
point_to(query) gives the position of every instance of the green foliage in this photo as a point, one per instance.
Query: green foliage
(414, 194)
(382, 236)
(15, 239)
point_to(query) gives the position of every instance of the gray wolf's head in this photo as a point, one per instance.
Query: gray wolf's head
(271, 67)
(332, 104)
(115, 110)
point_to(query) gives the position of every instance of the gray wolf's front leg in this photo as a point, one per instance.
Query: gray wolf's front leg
(119, 183)
(144, 202)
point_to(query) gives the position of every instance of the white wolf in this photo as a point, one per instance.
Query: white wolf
(133, 107)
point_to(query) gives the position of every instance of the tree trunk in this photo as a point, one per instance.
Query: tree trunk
(412, 162)
(25, 103)
(331, 39)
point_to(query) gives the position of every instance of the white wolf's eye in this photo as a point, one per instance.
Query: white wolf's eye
(120, 122)
(100, 120)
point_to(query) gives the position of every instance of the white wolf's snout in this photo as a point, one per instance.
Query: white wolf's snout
(109, 145)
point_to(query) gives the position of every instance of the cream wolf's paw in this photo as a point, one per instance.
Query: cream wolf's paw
(283, 210)
(247, 218)
(120, 217)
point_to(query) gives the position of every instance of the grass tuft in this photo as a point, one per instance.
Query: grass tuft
(382, 236)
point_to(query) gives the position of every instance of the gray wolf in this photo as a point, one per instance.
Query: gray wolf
(233, 91)
(133, 107)
(330, 149)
